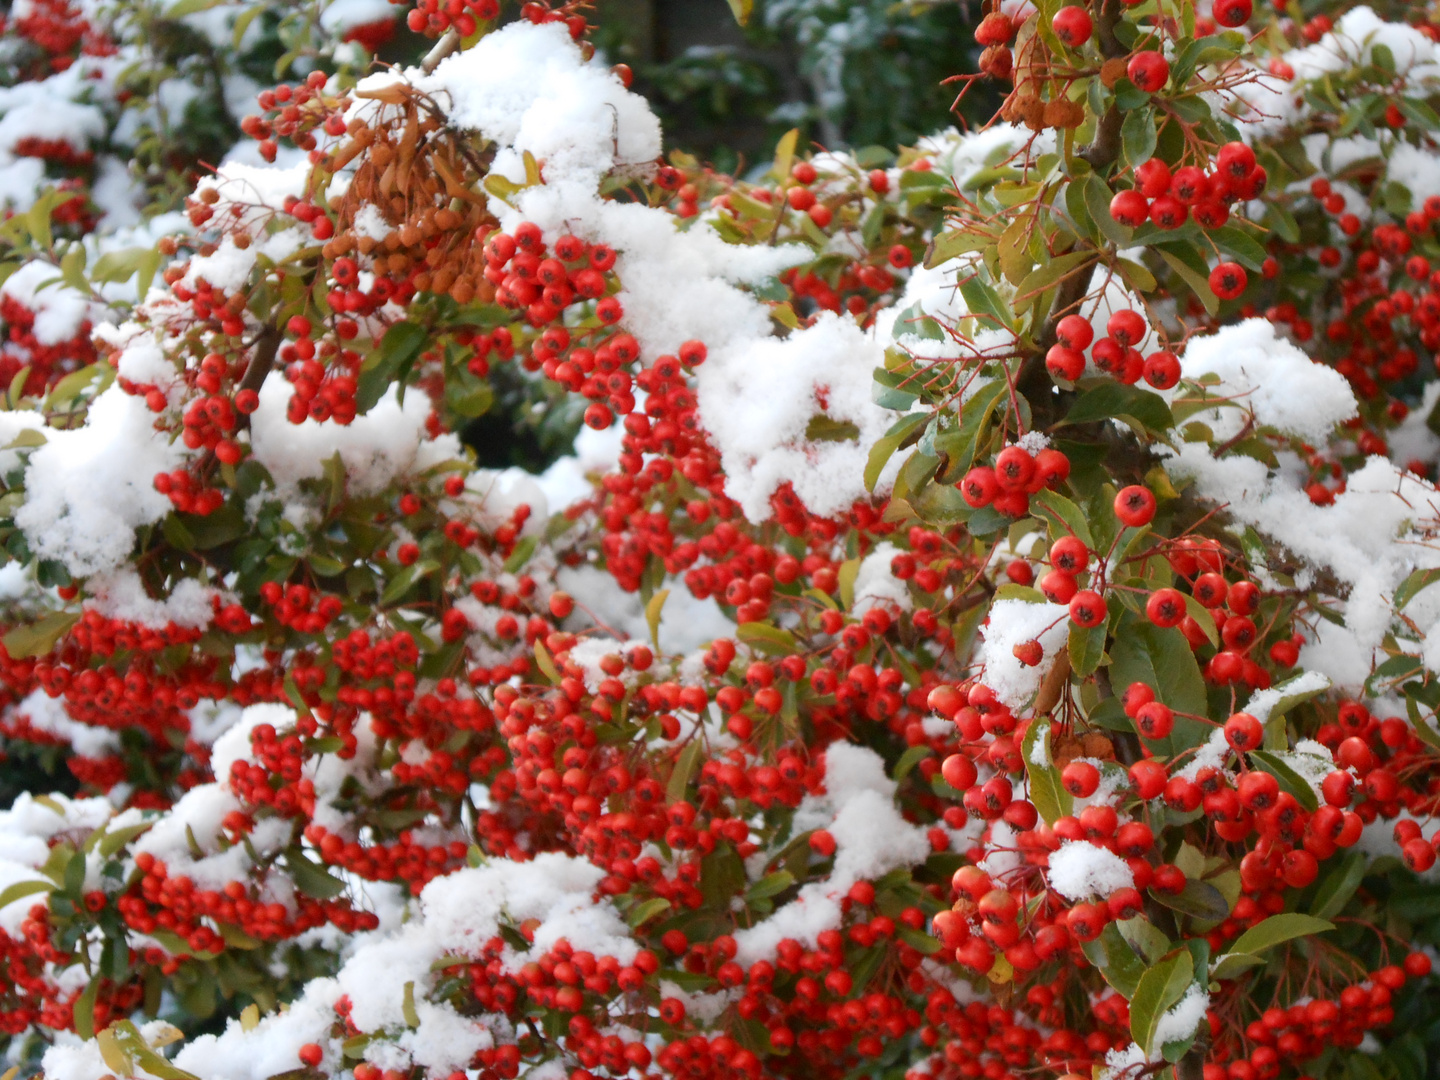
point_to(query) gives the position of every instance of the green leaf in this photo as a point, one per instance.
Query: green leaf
(1199, 283)
(1048, 273)
(1278, 929)
(1241, 245)
(770, 885)
(1143, 652)
(1159, 988)
(1047, 793)
(1115, 960)
(1063, 516)
(766, 636)
(22, 889)
(643, 913)
(84, 1010)
(1137, 136)
(982, 299)
(1110, 400)
(1290, 696)
(397, 353)
(469, 401)
(955, 242)
(38, 638)
(961, 444)
(919, 941)
(1145, 938)
(684, 769)
(1289, 778)
(242, 23)
(785, 154)
(520, 554)
(210, 531)
(182, 8)
(652, 615)
(1414, 584)
(546, 663)
(1418, 112)
(1202, 616)
(1087, 648)
(1338, 886)
(908, 760)
(236, 938)
(112, 842)
(402, 582)
(310, 878)
(407, 1006)
(1200, 900)
(1097, 195)
(822, 428)
(849, 571)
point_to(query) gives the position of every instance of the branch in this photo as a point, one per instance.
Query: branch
(443, 48)
(267, 345)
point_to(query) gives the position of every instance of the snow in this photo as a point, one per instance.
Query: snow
(1121, 1064)
(341, 15)
(1367, 538)
(1415, 170)
(1262, 701)
(388, 441)
(528, 90)
(1013, 621)
(226, 269)
(871, 839)
(120, 594)
(1272, 104)
(686, 623)
(1081, 870)
(48, 714)
(757, 398)
(1311, 761)
(60, 311)
(566, 482)
(1209, 755)
(1183, 1020)
(1267, 375)
(88, 489)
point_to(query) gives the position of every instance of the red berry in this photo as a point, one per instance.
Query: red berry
(1166, 607)
(1149, 71)
(1087, 609)
(1232, 12)
(1243, 732)
(1135, 506)
(1074, 332)
(1073, 26)
(1129, 208)
(1228, 280)
(1080, 778)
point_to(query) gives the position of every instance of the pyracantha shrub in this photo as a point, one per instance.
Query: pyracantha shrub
(985, 627)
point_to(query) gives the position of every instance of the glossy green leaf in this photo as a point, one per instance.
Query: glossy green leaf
(1159, 988)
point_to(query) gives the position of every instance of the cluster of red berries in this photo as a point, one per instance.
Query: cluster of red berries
(290, 119)
(1016, 475)
(432, 18)
(46, 364)
(525, 278)
(1169, 199)
(1115, 354)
